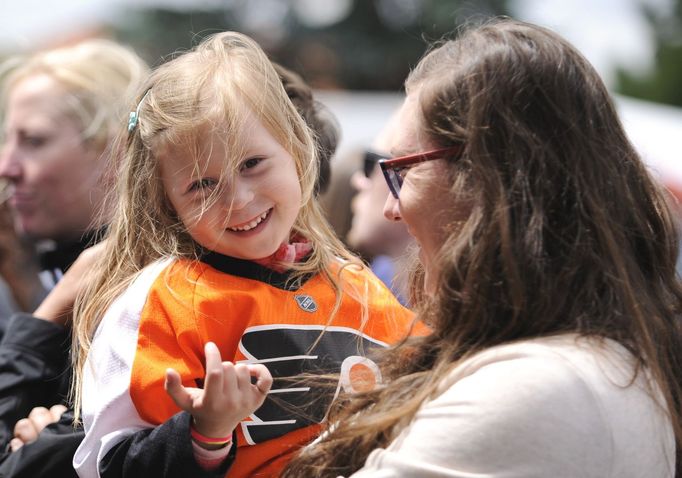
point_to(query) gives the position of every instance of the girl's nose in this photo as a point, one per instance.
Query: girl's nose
(392, 209)
(242, 196)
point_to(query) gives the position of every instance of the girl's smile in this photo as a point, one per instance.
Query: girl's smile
(254, 225)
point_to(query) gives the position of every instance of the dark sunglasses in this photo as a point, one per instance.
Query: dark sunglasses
(395, 169)
(370, 161)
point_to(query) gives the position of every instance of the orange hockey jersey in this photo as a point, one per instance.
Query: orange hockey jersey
(254, 314)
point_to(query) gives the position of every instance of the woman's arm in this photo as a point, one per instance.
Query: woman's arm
(529, 417)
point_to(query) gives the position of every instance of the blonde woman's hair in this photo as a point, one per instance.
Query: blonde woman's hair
(208, 89)
(99, 76)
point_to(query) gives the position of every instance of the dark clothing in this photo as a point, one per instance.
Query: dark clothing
(33, 372)
(49, 456)
(164, 451)
(34, 360)
(55, 258)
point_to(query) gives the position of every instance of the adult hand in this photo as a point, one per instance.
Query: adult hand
(27, 429)
(228, 395)
(57, 307)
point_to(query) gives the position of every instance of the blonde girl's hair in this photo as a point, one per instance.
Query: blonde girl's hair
(210, 88)
(567, 232)
(100, 78)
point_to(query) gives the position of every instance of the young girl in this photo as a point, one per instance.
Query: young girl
(218, 237)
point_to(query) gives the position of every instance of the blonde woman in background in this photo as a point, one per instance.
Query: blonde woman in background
(61, 110)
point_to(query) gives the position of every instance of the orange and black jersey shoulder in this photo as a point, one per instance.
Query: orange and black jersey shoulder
(257, 315)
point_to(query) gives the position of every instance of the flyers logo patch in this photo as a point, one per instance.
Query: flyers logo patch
(306, 303)
(289, 352)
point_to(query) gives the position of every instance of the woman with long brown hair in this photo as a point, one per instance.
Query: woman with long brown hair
(547, 273)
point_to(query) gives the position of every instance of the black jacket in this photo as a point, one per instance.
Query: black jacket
(34, 371)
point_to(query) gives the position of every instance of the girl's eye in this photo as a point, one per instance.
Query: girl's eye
(250, 163)
(202, 184)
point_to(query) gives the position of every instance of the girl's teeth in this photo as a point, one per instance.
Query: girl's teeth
(252, 224)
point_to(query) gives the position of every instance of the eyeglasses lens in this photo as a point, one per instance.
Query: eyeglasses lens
(396, 180)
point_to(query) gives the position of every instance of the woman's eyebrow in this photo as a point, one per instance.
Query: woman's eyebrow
(397, 153)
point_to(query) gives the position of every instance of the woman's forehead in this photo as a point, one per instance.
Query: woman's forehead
(408, 135)
(38, 89)
(39, 102)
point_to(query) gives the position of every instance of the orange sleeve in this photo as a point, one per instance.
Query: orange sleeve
(168, 338)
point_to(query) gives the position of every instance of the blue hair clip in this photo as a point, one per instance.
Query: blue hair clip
(135, 115)
(132, 121)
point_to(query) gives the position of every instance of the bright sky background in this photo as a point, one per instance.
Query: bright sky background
(607, 32)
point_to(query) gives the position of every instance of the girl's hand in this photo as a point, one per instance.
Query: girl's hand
(228, 395)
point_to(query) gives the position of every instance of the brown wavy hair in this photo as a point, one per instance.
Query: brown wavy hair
(567, 232)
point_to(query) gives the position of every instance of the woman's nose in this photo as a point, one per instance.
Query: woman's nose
(10, 166)
(392, 209)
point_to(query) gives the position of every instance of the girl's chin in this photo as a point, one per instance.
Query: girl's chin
(259, 256)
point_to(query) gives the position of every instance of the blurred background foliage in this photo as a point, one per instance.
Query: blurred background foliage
(357, 45)
(367, 44)
(662, 84)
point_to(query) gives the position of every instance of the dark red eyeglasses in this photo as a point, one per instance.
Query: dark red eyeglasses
(395, 169)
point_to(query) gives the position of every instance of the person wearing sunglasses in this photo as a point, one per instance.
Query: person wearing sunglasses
(384, 244)
(546, 270)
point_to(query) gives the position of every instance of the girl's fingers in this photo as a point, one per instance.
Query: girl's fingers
(230, 378)
(177, 392)
(213, 383)
(263, 377)
(243, 373)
